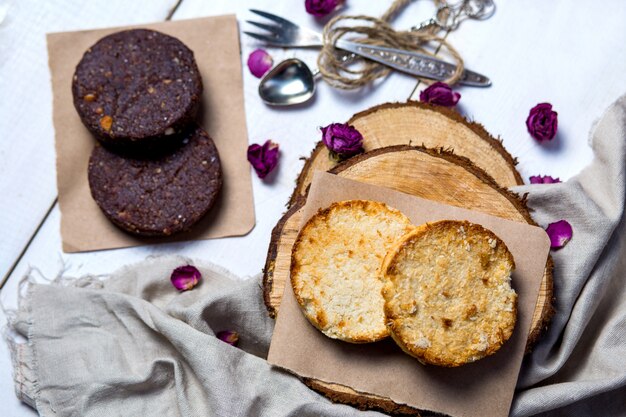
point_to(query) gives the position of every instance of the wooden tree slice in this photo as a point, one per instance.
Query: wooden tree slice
(428, 173)
(423, 124)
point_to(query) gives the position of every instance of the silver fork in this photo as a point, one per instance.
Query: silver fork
(286, 33)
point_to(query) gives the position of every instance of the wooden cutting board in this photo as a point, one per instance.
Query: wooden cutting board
(416, 123)
(439, 171)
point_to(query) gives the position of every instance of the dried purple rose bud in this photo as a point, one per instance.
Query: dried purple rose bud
(185, 277)
(542, 122)
(229, 336)
(560, 233)
(263, 158)
(342, 139)
(259, 62)
(321, 8)
(543, 179)
(440, 94)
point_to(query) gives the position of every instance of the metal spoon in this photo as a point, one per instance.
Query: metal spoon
(288, 83)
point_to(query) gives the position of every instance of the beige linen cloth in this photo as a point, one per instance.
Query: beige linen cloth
(131, 345)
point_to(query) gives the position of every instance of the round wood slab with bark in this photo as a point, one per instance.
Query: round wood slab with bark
(434, 174)
(417, 123)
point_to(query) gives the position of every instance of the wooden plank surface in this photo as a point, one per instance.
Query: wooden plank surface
(567, 52)
(419, 124)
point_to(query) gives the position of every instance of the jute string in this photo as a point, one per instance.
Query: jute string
(343, 74)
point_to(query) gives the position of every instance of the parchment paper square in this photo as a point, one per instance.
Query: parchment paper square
(483, 388)
(215, 43)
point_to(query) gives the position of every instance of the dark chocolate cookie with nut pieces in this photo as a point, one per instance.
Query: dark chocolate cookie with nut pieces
(137, 86)
(157, 197)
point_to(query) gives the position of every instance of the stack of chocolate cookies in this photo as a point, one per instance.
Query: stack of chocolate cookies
(154, 170)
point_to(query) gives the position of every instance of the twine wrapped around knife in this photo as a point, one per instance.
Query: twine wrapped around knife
(341, 73)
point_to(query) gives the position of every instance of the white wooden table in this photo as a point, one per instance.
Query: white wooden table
(568, 52)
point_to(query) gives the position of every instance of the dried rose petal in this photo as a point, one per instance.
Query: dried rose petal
(543, 179)
(560, 233)
(441, 94)
(229, 336)
(263, 158)
(542, 122)
(259, 62)
(342, 139)
(321, 8)
(185, 277)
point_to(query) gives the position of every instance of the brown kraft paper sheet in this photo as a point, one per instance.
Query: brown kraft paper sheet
(215, 43)
(482, 388)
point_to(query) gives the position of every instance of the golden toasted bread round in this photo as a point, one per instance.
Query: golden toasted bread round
(448, 295)
(335, 268)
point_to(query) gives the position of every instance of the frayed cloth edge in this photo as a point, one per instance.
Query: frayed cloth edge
(23, 354)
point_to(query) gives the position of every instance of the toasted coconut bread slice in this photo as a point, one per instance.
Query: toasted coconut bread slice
(448, 295)
(335, 268)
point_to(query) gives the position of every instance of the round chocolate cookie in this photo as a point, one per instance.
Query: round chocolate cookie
(157, 197)
(137, 86)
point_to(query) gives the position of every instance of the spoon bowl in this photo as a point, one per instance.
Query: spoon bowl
(288, 83)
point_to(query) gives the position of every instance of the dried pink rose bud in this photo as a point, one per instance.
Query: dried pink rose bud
(185, 277)
(321, 8)
(342, 139)
(259, 62)
(560, 233)
(263, 158)
(229, 336)
(440, 94)
(542, 122)
(543, 179)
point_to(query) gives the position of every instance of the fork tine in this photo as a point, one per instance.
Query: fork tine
(264, 38)
(270, 28)
(283, 22)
